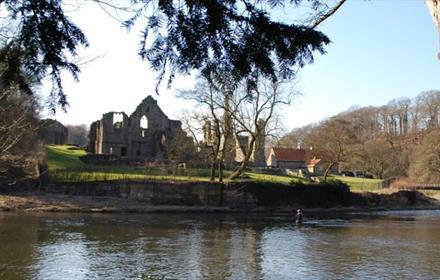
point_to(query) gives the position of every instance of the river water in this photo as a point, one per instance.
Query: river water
(378, 245)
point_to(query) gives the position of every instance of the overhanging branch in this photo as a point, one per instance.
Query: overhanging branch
(322, 17)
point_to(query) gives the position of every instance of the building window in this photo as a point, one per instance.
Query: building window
(118, 119)
(144, 122)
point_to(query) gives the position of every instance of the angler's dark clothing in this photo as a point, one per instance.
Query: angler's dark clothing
(299, 218)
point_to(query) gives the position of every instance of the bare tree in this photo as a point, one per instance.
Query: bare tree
(425, 159)
(382, 137)
(234, 111)
(399, 110)
(331, 142)
(415, 115)
(18, 108)
(431, 108)
(403, 111)
(299, 137)
(192, 148)
(180, 148)
(375, 157)
(210, 100)
(78, 134)
(254, 113)
(18, 125)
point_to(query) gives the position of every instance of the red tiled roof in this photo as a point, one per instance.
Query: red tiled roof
(285, 154)
(313, 162)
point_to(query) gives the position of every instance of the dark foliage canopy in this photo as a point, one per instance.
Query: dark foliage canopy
(45, 39)
(12, 74)
(214, 36)
(237, 36)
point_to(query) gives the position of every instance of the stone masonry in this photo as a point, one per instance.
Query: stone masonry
(234, 154)
(141, 136)
(53, 132)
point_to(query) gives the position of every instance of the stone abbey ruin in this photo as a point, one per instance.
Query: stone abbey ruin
(53, 132)
(142, 136)
(148, 135)
(234, 145)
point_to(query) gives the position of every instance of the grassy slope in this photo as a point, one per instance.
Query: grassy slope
(63, 156)
(359, 184)
(64, 165)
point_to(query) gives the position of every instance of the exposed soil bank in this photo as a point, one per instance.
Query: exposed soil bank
(167, 196)
(46, 202)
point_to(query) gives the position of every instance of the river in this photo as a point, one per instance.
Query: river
(377, 245)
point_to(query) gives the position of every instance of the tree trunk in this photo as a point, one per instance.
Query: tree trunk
(220, 162)
(240, 169)
(220, 171)
(212, 178)
(328, 170)
(245, 161)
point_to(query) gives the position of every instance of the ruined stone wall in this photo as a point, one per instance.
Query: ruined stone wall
(149, 131)
(208, 133)
(232, 149)
(258, 157)
(142, 136)
(114, 127)
(243, 142)
(93, 138)
(176, 126)
(53, 132)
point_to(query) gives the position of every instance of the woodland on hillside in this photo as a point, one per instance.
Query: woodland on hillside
(400, 139)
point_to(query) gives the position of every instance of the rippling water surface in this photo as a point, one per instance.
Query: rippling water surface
(380, 245)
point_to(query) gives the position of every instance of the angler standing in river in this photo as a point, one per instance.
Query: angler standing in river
(299, 217)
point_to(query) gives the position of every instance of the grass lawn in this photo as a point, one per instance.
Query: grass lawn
(359, 184)
(64, 156)
(273, 178)
(64, 165)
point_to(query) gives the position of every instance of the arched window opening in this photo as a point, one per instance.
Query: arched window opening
(144, 122)
(118, 119)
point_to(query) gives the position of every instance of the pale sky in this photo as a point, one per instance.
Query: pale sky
(380, 50)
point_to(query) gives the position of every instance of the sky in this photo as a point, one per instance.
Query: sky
(380, 50)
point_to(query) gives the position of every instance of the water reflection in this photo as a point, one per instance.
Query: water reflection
(17, 247)
(392, 245)
(66, 255)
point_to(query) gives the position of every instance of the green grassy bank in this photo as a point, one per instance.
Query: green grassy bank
(64, 165)
(359, 184)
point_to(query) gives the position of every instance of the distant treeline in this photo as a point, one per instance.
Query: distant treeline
(401, 138)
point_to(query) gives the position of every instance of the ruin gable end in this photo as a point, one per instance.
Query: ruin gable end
(142, 136)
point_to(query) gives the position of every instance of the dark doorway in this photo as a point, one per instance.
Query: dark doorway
(123, 151)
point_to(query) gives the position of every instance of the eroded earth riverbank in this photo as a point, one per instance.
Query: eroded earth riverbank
(52, 202)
